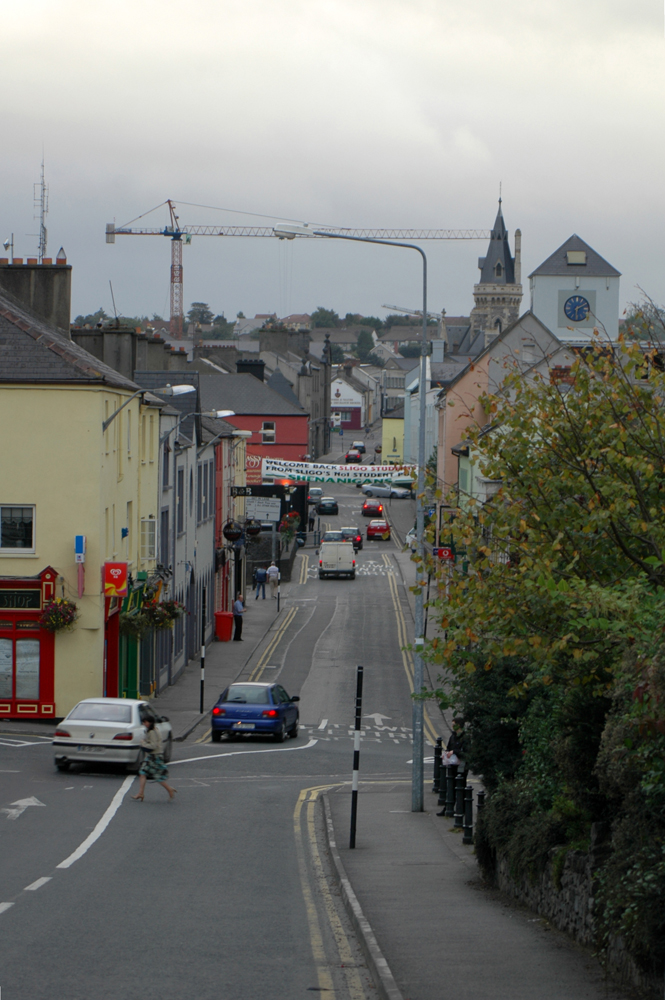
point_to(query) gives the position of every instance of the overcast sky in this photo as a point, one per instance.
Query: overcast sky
(356, 113)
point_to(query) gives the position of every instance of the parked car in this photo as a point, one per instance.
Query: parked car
(314, 494)
(394, 492)
(327, 505)
(372, 508)
(353, 456)
(352, 535)
(337, 559)
(411, 540)
(257, 709)
(378, 529)
(359, 446)
(333, 536)
(108, 731)
(367, 482)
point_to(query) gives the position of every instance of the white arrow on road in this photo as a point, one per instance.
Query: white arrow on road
(20, 806)
(378, 718)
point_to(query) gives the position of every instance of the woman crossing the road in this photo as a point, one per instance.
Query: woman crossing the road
(153, 766)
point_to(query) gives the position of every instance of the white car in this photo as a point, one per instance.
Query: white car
(393, 492)
(411, 540)
(107, 730)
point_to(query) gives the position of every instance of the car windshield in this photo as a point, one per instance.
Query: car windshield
(378, 524)
(98, 711)
(248, 693)
(349, 532)
(333, 536)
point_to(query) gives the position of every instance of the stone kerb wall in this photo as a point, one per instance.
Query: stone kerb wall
(570, 908)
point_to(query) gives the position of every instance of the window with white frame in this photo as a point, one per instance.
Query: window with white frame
(148, 538)
(268, 432)
(17, 528)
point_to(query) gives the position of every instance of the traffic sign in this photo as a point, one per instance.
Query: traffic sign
(263, 508)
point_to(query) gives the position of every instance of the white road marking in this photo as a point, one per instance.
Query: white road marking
(21, 805)
(5, 906)
(10, 772)
(101, 826)
(5, 742)
(38, 884)
(378, 718)
(323, 724)
(237, 753)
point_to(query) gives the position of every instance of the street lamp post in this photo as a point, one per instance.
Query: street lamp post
(417, 781)
(165, 390)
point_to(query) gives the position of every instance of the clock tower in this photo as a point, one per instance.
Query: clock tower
(576, 291)
(498, 294)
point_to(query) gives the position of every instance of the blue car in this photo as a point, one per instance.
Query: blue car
(257, 709)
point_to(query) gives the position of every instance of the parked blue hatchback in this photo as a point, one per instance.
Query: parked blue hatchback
(257, 709)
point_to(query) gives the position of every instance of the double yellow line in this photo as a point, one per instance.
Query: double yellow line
(272, 645)
(407, 655)
(304, 568)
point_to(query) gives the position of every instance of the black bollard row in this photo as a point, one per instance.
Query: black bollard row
(468, 815)
(459, 801)
(450, 789)
(437, 764)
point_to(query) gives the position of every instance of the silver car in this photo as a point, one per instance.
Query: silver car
(392, 492)
(107, 730)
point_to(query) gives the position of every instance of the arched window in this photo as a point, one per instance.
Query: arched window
(497, 325)
(498, 270)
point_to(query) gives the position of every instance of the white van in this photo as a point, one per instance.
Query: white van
(337, 559)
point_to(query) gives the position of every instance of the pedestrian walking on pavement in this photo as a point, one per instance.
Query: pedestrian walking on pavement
(260, 576)
(273, 578)
(153, 767)
(310, 521)
(238, 612)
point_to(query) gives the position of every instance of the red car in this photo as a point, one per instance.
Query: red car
(378, 529)
(353, 456)
(372, 508)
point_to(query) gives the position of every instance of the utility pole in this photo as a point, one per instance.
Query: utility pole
(40, 197)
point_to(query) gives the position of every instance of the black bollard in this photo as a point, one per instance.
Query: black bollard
(443, 787)
(450, 789)
(481, 801)
(437, 764)
(468, 815)
(459, 801)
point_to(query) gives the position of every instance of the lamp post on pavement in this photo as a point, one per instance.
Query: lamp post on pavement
(417, 781)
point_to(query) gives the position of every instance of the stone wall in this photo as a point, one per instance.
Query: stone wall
(565, 895)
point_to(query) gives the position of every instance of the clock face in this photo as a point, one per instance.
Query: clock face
(576, 308)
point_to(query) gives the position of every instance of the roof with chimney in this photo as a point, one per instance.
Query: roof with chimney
(245, 395)
(187, 404)
(31, 350)
(578, 258)
(497, 267)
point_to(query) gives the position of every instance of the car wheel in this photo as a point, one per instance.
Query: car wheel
(135, 767)
(293, 731)
(168, 749)
(352, 576)
(62, 765)
(368, 493)
(321, 575)
(215, 736)
(281, 735)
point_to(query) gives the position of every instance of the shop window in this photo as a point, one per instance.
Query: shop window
(19, 668)
(6, 665)
(148, 541)
(17, 526)
(268, 433)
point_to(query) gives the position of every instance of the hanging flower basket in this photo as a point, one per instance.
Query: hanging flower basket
(133, 625)
(59, 615)
(162, 616)
(289, 525)
(232, 531)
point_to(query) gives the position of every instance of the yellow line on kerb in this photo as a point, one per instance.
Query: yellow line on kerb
(407, 656)
(272, 645)
(304, 568)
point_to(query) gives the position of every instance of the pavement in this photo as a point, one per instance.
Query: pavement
(429, 926)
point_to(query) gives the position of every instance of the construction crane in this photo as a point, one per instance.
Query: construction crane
(179, 234)
(418, 312)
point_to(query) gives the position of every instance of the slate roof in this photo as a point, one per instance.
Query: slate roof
(244, 394)
(187, 404)
(396, 414)
(470, 346)
(33, 351)
(595, 267)
(498, 252)
(442, 373)
(280, 383)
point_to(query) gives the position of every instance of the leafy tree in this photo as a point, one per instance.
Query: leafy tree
(409, 350)
(325, 318)
(200, 313)
(92, 319)
(336, 354)
(364, 344)
(240, 315)
(375, 359)
(394, 319)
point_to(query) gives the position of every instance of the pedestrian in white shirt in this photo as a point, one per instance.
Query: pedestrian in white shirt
(238, 612)
(273, 579)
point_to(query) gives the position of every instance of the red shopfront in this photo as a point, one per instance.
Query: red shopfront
(27, 652)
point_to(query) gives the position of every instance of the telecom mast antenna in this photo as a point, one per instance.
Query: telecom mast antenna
(40, 196)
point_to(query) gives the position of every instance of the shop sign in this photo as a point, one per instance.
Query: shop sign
(115, 579)
(445, 553)
(20, 600)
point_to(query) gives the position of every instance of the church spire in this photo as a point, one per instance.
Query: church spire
(498, 266)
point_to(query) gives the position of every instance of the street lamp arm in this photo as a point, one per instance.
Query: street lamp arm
(164, 390)
(120, 408)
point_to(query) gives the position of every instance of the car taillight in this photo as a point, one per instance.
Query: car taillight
(270, 713)
(380, 507)
(354, 562)
(218, 711)
(320, 562)
(124, 736)
(62, 732)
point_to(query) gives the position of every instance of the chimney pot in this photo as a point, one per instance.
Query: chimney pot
(47, 260)
(31, 260)
(18, 260)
